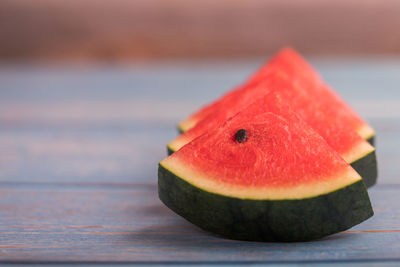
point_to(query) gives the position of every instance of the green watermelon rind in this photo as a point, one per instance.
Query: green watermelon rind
(370, 140)
(366, 167)
(266, 220)
(169, 151)
(179, 129)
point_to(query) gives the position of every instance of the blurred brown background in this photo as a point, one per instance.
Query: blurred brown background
(152, 29)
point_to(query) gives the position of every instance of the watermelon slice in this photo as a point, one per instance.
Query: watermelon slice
(264, 176)
(340, 136)
(299, 71)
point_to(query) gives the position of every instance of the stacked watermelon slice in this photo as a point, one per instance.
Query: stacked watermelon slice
(279, 158)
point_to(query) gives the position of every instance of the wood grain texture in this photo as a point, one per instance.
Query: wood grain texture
(79, 153)
(129, 223)
(110, 124)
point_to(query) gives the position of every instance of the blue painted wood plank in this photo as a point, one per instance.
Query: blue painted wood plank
(129, 223)
(120, 118)
(80, 148)
(147, 92)
(352, 78)
(124, 153)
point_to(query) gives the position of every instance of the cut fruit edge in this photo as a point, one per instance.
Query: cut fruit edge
(195, 178)
(186, 125)
(366, 131)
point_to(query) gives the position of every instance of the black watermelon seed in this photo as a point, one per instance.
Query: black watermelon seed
(241, 136)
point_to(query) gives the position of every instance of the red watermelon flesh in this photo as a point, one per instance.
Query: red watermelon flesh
(282, 158)
(338, 135)
(300, 72)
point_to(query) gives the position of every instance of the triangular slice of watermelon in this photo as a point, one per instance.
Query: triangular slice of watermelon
(264, 175)
(299, 71)
(340, 136)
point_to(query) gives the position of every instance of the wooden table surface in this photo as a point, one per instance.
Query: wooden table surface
(79, 153)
